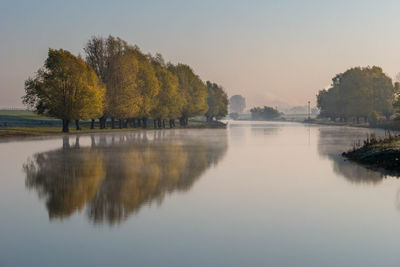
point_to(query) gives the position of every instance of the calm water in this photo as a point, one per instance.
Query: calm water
(256, 194)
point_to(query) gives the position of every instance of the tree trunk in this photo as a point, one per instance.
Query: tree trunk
(159, 123)
(134, 123)
(92, 141)
(103, 122)
(139, 123)
(163, 123)
(66, 142)
(65, 128)
(120, 123)
(92, 124)
(144, 122)
(78, 127)
(171, 124)
(77, 145)
(155, 124)
(112, 123)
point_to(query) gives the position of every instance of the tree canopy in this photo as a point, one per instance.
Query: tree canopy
(217, 102)
(65, 88)
(118, 81)
(265, 113)
(357, 93)
(193, 90)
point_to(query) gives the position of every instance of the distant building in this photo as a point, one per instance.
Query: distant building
(237, 104)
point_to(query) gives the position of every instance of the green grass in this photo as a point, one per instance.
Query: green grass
(26, 114)
(7, 132)
(27, 123)
(13, 132)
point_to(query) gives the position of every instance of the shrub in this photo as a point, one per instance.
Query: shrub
(373, 118)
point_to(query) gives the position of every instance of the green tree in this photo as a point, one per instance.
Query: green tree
(356, 93)
(123, 98)
(65, 88)
(168, 101)
(148, 87)
(100, 52)
(373, 118)
(266, 113)
(217, 101)
(193, 90)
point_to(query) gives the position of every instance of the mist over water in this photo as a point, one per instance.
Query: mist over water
(117, 174)
(269, 193)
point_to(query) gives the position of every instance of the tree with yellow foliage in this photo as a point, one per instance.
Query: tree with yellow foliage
(65, 88)
(193, 90)
(169, 102)
(123, 97)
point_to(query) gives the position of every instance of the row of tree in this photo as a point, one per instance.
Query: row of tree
(358, 93)
(116, 80)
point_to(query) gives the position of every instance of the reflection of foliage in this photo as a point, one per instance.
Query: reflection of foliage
(67, 178)
(117, 175)
(333, 141)
(260, 130)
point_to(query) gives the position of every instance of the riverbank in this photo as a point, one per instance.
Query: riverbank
(20, 132)
(382, 154)
(392, 125)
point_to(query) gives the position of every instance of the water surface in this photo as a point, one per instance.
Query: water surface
(256, 194)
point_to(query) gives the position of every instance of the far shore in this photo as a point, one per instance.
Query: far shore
(386, 125)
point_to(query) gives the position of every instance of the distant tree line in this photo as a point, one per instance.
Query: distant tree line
(265, 113)
(358, 93)
(117, 81)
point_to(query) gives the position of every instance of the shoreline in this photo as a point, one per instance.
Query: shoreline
(11, 133)
(382, 155)
(389, 125)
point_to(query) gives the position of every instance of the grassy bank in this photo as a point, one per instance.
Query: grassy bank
(383, 154)
(21, 123)
(393, 125)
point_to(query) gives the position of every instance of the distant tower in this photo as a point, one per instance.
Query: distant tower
(309, 111)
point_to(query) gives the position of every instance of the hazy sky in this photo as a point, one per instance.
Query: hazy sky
(271, 52)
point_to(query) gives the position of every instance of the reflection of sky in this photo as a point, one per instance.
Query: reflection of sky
(273, 200)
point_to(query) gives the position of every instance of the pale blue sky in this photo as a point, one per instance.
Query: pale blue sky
(268, 51)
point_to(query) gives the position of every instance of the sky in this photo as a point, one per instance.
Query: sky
(277, 53)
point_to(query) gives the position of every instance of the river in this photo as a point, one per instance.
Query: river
(255, 194)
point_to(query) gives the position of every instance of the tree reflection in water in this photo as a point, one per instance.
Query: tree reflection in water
(118, 174)
(333, 141)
